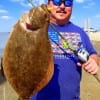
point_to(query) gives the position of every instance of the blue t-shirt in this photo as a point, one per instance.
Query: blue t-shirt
(65, 83)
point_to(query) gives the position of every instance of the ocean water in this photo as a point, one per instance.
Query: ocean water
(3, 40)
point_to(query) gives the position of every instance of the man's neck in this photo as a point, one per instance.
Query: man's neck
(58, 22)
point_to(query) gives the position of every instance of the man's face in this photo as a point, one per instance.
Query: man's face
(60, 12)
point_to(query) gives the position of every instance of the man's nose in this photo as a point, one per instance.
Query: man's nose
(62, 5)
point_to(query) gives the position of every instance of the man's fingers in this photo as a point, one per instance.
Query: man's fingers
(79, 64)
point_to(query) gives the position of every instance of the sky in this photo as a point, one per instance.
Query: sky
(83, 11)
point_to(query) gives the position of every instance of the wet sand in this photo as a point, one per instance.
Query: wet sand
(90, 87)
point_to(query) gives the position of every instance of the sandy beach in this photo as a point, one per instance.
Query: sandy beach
(90, 87)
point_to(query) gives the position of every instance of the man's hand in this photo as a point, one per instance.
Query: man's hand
(91, 66)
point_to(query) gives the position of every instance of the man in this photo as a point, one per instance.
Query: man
(65, 83)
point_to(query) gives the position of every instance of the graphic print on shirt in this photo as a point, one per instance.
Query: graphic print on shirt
(59, 47)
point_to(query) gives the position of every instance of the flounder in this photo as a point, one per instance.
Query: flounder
(27, 57)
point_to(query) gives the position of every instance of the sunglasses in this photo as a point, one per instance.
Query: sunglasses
(67, 3)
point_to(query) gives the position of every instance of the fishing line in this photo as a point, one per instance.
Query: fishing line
(30, 1)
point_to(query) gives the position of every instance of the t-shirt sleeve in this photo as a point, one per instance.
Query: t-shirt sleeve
(88, 44)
